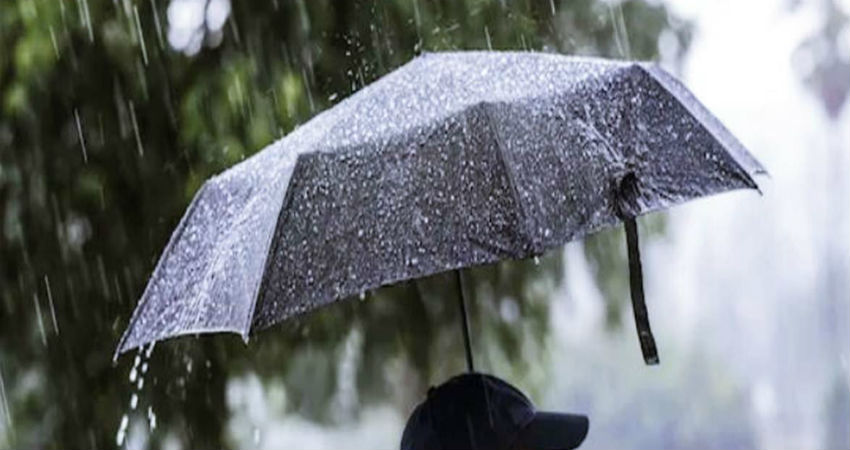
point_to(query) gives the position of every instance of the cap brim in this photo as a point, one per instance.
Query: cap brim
(553, 431)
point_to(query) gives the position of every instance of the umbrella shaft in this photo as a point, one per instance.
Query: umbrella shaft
(464, 320)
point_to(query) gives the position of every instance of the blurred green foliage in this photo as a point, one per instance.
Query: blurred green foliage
(105, 135)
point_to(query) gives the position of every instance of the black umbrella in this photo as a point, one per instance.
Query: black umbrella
(453, 160)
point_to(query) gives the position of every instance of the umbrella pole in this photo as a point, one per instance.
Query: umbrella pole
(464, 320)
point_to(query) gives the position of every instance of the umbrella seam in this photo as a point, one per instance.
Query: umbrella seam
(350, 101)
(485, 106)
(273, 245)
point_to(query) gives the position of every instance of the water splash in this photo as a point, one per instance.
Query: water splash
(149, 350)
(122, 430)
(151, 418)
(137, 378)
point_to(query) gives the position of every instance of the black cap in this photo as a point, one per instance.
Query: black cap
(478, 411)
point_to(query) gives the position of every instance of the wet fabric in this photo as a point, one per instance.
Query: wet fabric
(452, 160)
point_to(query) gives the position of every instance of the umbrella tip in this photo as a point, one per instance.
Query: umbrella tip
(760, 172)
(118, 350)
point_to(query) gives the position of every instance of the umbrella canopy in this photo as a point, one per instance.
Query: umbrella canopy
(453, 160)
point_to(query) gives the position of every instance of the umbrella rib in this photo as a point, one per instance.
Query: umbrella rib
(491, 247)
(524, 231)
(273, 243)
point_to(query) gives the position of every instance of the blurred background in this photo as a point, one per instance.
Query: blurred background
(113, 112)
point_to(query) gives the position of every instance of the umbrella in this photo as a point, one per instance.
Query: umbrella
(452, 160)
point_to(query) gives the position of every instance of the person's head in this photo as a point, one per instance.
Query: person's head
(478, 411)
